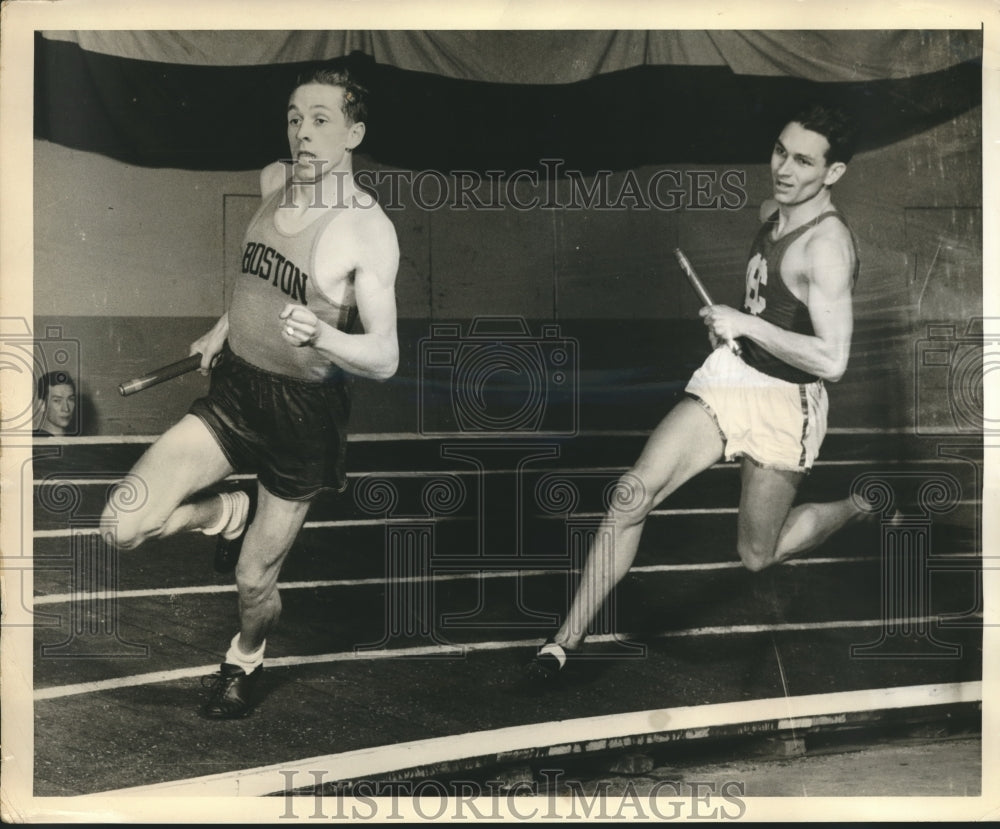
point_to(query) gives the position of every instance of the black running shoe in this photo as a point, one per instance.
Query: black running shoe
(546, 665)
(233, 693)
(227, 551)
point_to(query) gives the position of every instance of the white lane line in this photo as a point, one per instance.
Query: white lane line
(67, 532)
(559, 738)
(59, 598)
(360, 437)
(170, 592)
(56, 479)
(59, 691)
(379, 437)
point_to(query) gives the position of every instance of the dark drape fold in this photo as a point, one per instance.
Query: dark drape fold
(559, 56)
(638, 97)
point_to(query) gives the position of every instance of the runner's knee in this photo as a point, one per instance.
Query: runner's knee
(257, 574)
(755, 555)
(257, 585)
(131, 515)
(631, 501)
(128, 530)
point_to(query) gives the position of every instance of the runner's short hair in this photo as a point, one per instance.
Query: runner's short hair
(835, 125)
(355, 105)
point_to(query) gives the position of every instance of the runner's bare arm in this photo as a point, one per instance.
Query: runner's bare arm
(272, 177)
(829, 273)
(375, 352)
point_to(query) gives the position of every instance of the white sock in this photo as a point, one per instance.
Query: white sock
(232, 515)
(247, 661)
(225, 513)
(238, 517)
(555, 650)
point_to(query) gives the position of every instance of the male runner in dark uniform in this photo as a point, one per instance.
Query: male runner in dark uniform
(767, 407)
(318, 253)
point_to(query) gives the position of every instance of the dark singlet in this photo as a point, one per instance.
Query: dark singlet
(768, 297)
(277, 268)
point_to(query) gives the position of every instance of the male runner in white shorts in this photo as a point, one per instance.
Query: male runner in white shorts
(767, 407)
(319, 253)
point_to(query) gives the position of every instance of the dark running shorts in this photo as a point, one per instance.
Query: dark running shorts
(291, 433)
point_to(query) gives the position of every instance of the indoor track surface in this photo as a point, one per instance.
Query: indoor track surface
(413, 600)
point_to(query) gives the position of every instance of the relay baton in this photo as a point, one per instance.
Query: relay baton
(160, 375)
(699, 289)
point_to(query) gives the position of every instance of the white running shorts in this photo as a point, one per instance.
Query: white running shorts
(776, 424)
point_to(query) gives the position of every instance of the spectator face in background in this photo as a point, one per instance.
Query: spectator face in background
(58, 395)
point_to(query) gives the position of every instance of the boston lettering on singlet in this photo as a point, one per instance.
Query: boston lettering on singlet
(276, 269)
(264, 261)
(768, 297)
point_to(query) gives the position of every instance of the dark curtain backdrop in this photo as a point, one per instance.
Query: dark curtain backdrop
(494, 100)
